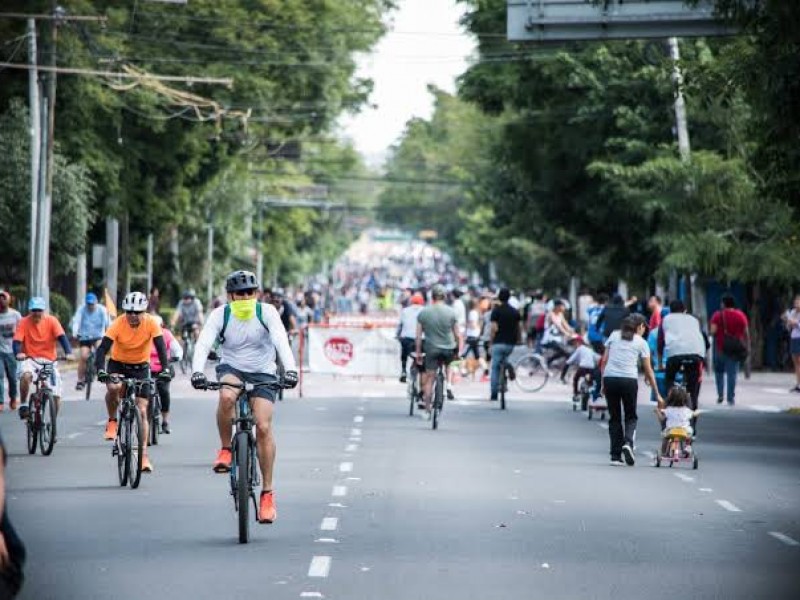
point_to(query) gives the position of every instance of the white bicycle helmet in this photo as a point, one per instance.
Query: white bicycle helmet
(135, 301)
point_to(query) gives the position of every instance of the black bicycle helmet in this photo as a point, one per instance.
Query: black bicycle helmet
(239, 281)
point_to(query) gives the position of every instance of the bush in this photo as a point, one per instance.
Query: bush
(61, 308)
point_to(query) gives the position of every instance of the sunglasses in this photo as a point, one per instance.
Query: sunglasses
(134, 312)
(37, 311)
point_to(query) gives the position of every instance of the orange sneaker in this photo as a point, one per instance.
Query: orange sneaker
(223, 462)
(147, 466)
(111, 429)
(266, 508)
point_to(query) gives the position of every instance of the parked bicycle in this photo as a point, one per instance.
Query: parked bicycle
(244, 474)
(129, 443)
(41, 421)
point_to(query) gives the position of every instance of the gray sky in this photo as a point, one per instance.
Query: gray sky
(424, 45)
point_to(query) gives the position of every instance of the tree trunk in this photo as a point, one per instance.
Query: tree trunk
(756, 327)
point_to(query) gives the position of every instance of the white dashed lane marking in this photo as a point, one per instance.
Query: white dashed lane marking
(729, 506)
(684, 477)
(339, 490)
(320, 566)
(346, 467)
(351, 448)
(355, 432)
(782, 537)
(329, 524)
(358, 419)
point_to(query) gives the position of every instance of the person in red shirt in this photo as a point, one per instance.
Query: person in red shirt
(655, 306)
(732, 322)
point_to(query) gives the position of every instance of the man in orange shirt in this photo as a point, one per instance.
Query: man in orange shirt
(129, 338)
(35, 339)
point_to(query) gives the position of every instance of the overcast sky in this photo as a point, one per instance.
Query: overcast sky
(424, 45)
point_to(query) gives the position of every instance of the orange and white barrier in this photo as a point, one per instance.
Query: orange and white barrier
(370, 350)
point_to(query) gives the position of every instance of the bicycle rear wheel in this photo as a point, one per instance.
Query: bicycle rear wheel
(438, 400)
(47, 430)
(532, 374)
(136, 447)
(33, 431)
(411, 392)
(242, 455)
(503, 383)
(123, 443)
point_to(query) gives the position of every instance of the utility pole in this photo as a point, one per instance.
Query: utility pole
(112, 265)
(680, 105)
(210, 260)
(33, 93)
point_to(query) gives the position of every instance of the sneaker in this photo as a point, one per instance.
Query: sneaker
(165, 428)
(627, 452)
(450, 394)
(223, 462)
(511, 373)
(266, 508)
(111, 430)
(617, 462)
(493, 398)
(24, 411)
(80, 385)
(147, 466)
(719, 400)
(403, 377)
(794, 389)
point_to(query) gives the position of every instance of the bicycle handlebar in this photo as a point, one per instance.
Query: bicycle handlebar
(117, 378)
(217, 385)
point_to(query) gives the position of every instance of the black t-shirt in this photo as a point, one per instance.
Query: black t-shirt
(507, 319)
(611, 318)
(287, 311)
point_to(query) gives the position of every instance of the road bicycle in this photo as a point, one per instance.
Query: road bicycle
(129, 443)
(437, 396)
(90, 372)
(41, 421)
(245, 476)
(531, 371)
(187, 342)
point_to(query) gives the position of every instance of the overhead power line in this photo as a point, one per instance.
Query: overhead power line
(227, 81)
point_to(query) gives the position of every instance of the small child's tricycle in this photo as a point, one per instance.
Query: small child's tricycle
(677, 447)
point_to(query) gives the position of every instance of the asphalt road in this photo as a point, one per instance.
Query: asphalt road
(373, 505)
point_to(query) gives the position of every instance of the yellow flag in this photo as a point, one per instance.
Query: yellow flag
(110, 306)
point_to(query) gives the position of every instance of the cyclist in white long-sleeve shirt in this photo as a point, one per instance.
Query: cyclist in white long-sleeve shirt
(251, 336)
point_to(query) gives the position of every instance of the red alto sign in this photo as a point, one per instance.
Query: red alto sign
(339, 351)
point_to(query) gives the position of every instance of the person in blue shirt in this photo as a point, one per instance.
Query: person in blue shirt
(594, 334)
(88, 326)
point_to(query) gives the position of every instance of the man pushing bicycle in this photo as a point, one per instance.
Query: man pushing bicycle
(251, 336)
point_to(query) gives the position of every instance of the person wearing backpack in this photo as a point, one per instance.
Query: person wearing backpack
(731, 332)
(251, 337)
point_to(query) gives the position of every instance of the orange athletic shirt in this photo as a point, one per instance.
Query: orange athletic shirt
(39, 341)
(132, 344)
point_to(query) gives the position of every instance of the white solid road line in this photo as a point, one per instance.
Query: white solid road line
(684, 477)
(728, 506)
(329, 524)
(346, 467)
(320, 566)
(784, 538)
(339, 490)
(358, 419)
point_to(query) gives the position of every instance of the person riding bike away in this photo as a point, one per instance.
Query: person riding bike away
(129, 338)
(35, 339)
(249, 343)
(506, 332)
(439, 325)
(407, 330)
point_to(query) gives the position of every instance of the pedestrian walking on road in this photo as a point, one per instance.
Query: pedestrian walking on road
(792, 320)
(731, 333)
(9, 319)
(626, 351)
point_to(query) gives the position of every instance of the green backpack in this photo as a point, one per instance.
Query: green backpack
(227, 317)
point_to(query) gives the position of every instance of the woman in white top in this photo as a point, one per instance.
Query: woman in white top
(792, 320)
(626, 351)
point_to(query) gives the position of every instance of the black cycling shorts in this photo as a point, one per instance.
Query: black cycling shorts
(88, 343)
(135, 371)
(432, 356)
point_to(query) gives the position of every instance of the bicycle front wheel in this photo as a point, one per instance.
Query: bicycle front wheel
(532, 374)
(136, 447)
(47, 431)
(242, 449)
(123, 443)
